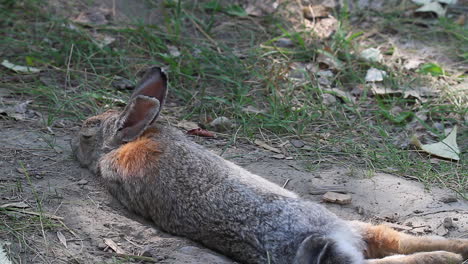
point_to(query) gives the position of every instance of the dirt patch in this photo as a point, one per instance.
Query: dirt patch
(91, 215)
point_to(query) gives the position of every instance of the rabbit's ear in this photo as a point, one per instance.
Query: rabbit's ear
(136, 117)
(153, 84)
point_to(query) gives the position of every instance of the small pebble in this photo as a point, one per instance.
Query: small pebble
(448, 223)
(284, 43)
(82, 182)
(101, 246)
(297, 143)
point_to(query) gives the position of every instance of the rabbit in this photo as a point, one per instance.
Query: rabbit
(158, 173)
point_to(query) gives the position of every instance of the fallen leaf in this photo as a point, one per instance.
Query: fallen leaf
(21, 108)
(21, 205)
(102, 40)
(371, 55)
(266, 146)
(432, 7)
(261, 7)
(328, 61)
(173, 51)
(4, 259)
(344, 96)
(20, 111)
(200, 132)
(328, 99)
(62, 239)
(412, 64)
(338, 198)
(252, 110)
(221, 123)
(375, 75)
(93, 17)
(18, 68)
(448, 2)
(447, 148)
(421, 2)
(316, 11)
(187, 125)
(324, 27)
(114, 246)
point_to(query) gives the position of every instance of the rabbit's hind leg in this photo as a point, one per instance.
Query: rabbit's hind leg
(383, 241)
(434, 257)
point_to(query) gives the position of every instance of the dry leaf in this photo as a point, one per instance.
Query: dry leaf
(412, 64)
(173, 51)
(20, 111)
(93, 17)
(371, 55)
(21, 205)
(18, 68)
(114, 246)
(375, 75)
(260, 7)
(221, 123)
(447, 148)
(266, 146)
(328, 61)
(102, 40)
(187, 125)
(324, 27)
(328, 99)
(62, 239)
(252, 110)
(3, 254)
(433, 7)
(345, 96)
(316, 11)
(200, 132)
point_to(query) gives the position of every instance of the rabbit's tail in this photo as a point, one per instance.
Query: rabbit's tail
(333, 249)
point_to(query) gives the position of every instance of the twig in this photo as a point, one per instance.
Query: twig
(286, 183)
(67, 79)
(35, 213)
(150, 259)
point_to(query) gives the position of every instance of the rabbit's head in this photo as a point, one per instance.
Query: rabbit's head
(102, 133)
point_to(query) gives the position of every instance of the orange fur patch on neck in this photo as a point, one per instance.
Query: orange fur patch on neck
(133, 157)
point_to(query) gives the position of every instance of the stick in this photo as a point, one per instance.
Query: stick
(36, 213)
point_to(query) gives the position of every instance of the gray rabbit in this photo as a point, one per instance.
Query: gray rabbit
(186, 190)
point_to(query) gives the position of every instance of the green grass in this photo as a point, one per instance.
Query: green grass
(211, 79)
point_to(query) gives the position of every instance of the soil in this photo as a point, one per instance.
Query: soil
(91, 215)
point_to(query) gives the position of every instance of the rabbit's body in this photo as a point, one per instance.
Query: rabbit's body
(216, 202)
(157, 172)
